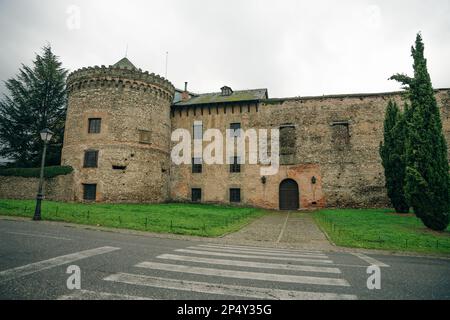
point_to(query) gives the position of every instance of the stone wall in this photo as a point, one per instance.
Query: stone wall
(59, 188)
(133, 145)
(336, 141)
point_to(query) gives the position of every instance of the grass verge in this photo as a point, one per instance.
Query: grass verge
(381, 229)
(185, 219)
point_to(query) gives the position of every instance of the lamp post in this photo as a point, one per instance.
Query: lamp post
(46, 136)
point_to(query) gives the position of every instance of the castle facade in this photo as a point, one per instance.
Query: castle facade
(118, 140)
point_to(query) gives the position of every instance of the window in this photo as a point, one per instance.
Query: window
(287, 140)
(89, 192)
(196, 195)
(95, 125)
(198, 130)
(197, 165)
(235, 166)
(119, 167)
(234, 127)
(235, 195)
(145, 136)
(341, 134)
(91, 159)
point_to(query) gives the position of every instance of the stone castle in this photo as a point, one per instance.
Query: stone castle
(118, 140)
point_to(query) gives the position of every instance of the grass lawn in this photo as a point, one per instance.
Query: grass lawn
(381, 229)
(187, 219)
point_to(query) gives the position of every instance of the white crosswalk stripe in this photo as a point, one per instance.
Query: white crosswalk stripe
(233, 246)
(258, 249)
(31, 268)
(265, 257)
(257, 252)
(249, 264)
(224, 289)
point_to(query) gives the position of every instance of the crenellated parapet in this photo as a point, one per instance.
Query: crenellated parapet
(121, 78)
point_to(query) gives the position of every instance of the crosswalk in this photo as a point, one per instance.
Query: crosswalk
(232, 271)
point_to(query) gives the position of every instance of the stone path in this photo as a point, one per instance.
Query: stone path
(282, 229)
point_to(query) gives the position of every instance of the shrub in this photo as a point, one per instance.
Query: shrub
(49, 172)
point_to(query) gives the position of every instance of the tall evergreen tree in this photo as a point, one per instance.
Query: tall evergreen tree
(36, 100)
(427, 168)
(392, 152)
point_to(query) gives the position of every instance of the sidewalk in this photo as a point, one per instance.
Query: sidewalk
(282, 229)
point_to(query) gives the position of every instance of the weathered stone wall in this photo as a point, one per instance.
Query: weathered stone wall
(59, 188)
(348, 170)
(129, 102)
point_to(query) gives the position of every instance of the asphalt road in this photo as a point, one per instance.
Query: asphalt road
(34, 259)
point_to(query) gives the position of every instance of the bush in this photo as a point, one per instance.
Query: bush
(49, 172)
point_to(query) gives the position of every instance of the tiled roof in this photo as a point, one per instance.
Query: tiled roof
(125, 64)
(217, 97)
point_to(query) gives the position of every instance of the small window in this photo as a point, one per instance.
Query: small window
(145, 136)
(235, 166)
(235, 195)
(89, 192)
(196, 195)
(235, 127)
(91, 159)
(198, 130)
(287, 140)
(119, 167)
(95, 125)
(197, 166)
(341, 133)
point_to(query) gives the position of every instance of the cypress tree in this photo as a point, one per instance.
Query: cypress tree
(392, 152)
(36, 100)
(427, 168)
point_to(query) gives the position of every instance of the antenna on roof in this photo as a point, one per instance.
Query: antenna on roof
(126, 51)
(167, 62)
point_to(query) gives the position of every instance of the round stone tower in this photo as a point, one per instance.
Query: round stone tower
(117, 134)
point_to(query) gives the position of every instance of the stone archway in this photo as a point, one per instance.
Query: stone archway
(289, 195)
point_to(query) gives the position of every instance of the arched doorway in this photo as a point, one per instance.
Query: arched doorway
(289, 195)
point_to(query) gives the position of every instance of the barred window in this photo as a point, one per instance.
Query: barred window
(197, 166)
(95, 125)
(235, 166)
(89, 192)
(235, 195)
(341, 133)
(91, 159)
(196, 195)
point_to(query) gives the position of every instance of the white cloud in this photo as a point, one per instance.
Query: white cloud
(291, 47)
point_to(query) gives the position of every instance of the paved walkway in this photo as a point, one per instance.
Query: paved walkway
(282, 229)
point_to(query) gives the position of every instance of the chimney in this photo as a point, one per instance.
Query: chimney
(185, 96)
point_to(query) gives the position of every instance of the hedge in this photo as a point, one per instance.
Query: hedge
(49, 172)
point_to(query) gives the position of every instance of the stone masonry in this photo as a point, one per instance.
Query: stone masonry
(330, 142)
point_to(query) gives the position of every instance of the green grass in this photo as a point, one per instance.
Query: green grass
(381, 229)
(186, 219)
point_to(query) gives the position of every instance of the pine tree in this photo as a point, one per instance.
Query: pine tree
(392, 152)
(37, 100)
(427, 169)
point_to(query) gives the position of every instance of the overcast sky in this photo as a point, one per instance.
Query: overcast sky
(290, 47)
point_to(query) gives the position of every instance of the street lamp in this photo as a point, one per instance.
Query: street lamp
(46, 136)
